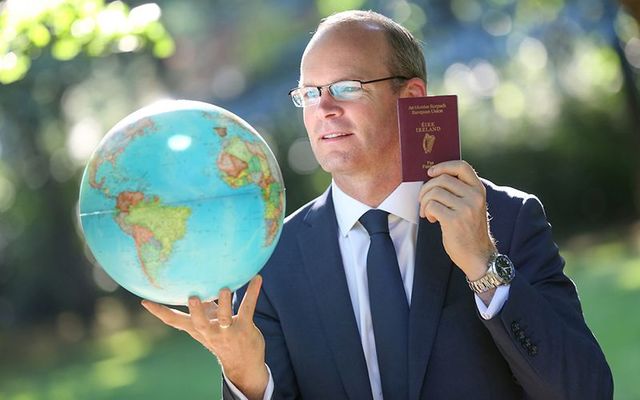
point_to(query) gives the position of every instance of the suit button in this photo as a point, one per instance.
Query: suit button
(520, 335)
(533, 350)
(527, 343)
(515, 326)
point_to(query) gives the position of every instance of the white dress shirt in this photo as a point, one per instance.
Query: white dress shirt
(353, 239)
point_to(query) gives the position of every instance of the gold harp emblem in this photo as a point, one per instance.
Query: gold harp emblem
(427, 143)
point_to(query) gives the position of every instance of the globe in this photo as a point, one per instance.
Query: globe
(181, 198)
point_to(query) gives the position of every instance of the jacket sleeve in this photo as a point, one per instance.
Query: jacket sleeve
(540, 330)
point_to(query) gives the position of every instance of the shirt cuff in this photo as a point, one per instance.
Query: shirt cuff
(268, 392)
(497, 302)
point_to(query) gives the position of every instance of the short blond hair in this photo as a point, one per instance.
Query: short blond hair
(406, 57)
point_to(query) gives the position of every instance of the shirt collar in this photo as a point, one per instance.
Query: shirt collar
(402, 202)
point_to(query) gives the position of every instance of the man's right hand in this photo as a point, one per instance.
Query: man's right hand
(234, 339)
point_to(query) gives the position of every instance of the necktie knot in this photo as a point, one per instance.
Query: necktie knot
(375, 221)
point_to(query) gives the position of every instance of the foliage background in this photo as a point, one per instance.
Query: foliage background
(548, 93)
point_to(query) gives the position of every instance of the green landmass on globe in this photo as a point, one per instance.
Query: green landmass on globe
(153, 226)
(149, 214)
(244, 163)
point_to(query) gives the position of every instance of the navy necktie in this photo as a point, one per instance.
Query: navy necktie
(389, 307)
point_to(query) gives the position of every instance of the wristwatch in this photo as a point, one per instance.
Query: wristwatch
(500, 272)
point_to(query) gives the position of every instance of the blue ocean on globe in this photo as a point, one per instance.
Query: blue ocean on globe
(181, 198)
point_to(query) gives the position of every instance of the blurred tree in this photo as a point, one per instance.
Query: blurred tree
(45, 48)
(69, 27)
(633, 7)
(547, 93)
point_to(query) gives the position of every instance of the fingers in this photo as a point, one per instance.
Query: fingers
(458, 168)
(205, 317)
(435, 211)
(451, 183)
(248, 305)
(448, 182)
(436, 201)
(225, 313)
(174, 318)
(199, 319)
(455, 176)
(454, 187)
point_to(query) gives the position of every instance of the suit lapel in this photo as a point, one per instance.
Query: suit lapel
(431, 277)
(325, 271)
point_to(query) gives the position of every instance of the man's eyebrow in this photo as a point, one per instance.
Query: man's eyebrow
(346, 78)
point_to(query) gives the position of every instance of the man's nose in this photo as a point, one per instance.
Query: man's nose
(328, 106)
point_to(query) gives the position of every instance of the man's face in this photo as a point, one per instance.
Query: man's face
(359, 137)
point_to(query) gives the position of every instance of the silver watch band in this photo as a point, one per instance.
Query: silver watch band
(484, 284)
(488, 281)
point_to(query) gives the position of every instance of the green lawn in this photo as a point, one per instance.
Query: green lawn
(159, 363)
(125, 365)
(608, 280)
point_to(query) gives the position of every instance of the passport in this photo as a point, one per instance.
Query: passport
(428, 134)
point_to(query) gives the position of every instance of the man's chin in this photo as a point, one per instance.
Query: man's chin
(337, 164)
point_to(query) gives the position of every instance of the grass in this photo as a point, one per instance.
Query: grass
(154, 362)
(608, 280)
(127, 364)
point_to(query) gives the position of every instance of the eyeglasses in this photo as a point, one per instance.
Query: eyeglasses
(343, 90)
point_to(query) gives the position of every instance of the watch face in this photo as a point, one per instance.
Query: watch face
(504, 268)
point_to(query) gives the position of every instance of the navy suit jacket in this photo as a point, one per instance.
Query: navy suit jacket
(538, 346)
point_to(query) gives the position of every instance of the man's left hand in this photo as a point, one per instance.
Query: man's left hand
(456, 198)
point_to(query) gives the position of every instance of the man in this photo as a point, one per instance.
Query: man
(321, 313)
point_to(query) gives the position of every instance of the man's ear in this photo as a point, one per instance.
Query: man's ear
(414, 87)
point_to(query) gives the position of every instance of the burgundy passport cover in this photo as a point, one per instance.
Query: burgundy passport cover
(428, 134)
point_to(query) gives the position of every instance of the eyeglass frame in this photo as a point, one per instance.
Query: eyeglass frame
(319, 88)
